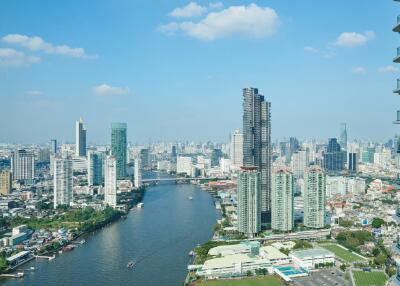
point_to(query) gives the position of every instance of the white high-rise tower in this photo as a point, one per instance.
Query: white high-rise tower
(63, 182)
(138, 173)
(237, 149)
(110, 181)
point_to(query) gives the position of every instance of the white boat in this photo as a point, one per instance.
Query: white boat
(140, 205)
(190, 198)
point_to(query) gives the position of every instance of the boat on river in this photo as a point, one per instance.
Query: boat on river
(130, 264)
(140, 205)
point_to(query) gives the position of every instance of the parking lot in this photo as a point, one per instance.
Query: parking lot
(330, 277)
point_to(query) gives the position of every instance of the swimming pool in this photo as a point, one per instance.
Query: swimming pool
(290, 271)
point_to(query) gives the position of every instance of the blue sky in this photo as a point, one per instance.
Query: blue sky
(178, 73)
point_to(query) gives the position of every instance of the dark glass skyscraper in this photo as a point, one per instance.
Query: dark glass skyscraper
(343, 136)
(119, 147)
(257, 144)
(334, 158)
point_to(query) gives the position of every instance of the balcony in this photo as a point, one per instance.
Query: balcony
(397, 58)
(397, 27)
(397, 90)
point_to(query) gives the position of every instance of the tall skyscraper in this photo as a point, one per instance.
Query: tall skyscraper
(282, 200)
(110, 181)
(145, 157)
(138, 173)
(249, 201)
(119, 147)
(63, 182)
(174, 153)
(334, 157)
(23, 166)
(95, 168)
(343, 136)
(80, 138)
(53, 147)
(257, 144)
(294, 146)
(5, 182)
(396, 29)
(314, 197)
(353, 162)
(300, 161)
(236, 149)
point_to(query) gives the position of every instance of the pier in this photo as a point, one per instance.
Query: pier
(17, 275)
(45, 257)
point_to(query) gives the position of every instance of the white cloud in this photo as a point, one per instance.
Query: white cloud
(310, 49)
(388, 69)
(13, 58)
(359, 70)
(34, 93)
(38, 44)
(215, 5)
(105, 89)
(249, 21)
(190, 10)
(353, 39)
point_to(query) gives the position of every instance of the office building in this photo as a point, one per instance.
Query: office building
(257, 145)
(110, 181)
(334, 157)
(80, 139)
(23, 166)
(95, 168)
(314, 197)
(352, 162)
(145, 158)
(249, 201)
(5, 183)
(119, 147)
(282, 196)
(174, 153)
(184, 165)
(300, 161)
(343, 136)
(53, 147)
(236, 150)
(138, 173)
(63, 182)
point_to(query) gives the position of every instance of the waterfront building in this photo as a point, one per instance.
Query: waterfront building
(5, 183)
(300, 161)
(314, 197)
(236, 150)
(282, 195)
(343, 136)
(95, 168)
(184, 165)
(23, 166)
(249, 201)
(63, 181)
(257, 145)
(110, 181)
(334, 157)
(138, 173)
(119, 147)
(145, 158)
(80, 139)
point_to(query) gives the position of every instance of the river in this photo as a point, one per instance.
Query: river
(159, 236)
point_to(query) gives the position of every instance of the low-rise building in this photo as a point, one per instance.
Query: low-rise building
(308, 258)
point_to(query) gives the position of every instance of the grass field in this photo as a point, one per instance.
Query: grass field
(265, 281)
(342, 253)
(369, 278)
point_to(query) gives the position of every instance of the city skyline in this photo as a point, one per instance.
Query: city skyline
(110, 76)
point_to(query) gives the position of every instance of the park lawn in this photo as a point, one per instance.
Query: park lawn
(342, 253)
(264, 281)
(369, 278)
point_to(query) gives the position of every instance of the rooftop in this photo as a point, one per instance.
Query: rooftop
(314, 252)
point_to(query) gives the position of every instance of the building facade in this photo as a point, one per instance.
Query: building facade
(236, 150)
(63, 182)
(138, 173)
(95, 168)
(282, 195)
(314, 197)
(249, 201)
(334, 157)
(257, 144)
(300, 161)
(5, 183)
(119, 147)
(80, 139)
(23, 166)
(110, 181)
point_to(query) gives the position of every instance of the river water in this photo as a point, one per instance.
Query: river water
(159, 236)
